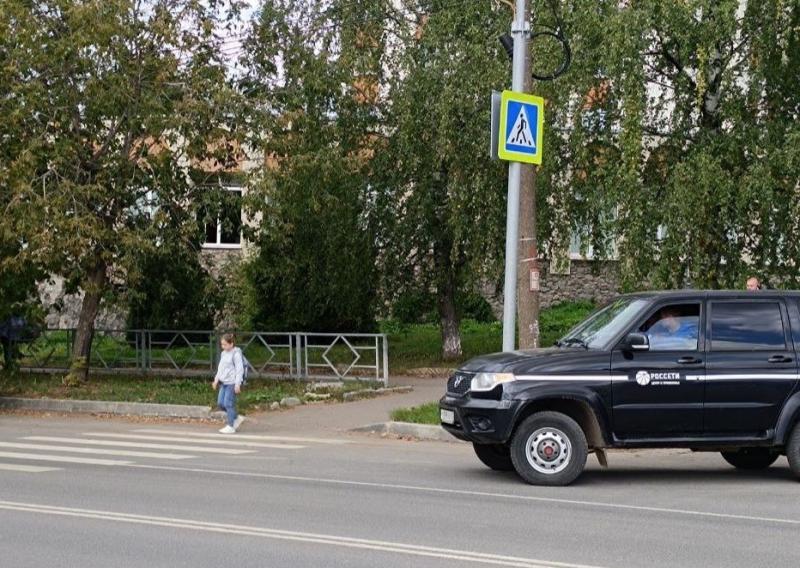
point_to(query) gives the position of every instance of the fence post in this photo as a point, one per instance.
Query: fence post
(211, 338)
(137, 352)
(215, 337)
(300, 350)
(385, 360)
(148, 350)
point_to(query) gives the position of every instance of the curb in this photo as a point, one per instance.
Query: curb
(372, 393)
(102, 407)
(409, 430)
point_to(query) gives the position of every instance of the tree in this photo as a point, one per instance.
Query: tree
(17, 279)
(116, 101)
(675, 138)
(311, 80)
(441, 201)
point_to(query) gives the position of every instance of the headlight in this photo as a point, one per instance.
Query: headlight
(487, 381)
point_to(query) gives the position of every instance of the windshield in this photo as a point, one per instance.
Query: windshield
(596, 331)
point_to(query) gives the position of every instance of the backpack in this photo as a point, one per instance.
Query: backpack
(245, 366)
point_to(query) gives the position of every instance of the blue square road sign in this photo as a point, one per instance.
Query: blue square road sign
(521, 127)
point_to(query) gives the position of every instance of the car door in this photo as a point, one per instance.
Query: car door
(658, 392)
(751, 366)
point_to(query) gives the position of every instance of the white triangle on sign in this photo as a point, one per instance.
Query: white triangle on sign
(521, 134)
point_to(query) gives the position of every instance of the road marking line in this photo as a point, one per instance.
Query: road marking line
(195, 440)
(504, 496)
(96, 451)
(65, 459)
(332, 540)
(26, 468)
(139, 445)
(247, 436)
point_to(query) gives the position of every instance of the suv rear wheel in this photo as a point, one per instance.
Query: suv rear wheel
(793, 451)
(549, 448)
(495, 456)
(751, 458)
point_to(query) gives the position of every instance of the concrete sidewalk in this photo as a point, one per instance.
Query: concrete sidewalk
(336, 418)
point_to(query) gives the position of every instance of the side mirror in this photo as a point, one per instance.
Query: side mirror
(636, 342)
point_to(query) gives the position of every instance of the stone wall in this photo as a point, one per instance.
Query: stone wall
(64, 309)
(595, 280)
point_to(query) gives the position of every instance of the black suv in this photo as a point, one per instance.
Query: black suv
(710, 371)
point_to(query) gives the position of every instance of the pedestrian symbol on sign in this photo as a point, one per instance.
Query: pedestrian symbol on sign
(520, 134)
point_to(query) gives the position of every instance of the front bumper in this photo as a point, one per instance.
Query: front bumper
(480, 420)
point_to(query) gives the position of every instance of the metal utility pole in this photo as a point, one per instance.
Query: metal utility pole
(528, 277)
(519, 31)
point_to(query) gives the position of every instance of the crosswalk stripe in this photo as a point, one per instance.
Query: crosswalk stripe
(26, 468)
(195, 440)
(138, 445)
(96, 451)
(246, 436)
(64, 459)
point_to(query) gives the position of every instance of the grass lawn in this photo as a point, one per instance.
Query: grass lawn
(423, 414)
(416, 346)
(258, 393)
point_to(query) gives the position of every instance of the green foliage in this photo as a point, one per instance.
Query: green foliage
(315, 265)
(170, 289)
(556, 321)
(474, 306)
(414, 306)
(682, 149)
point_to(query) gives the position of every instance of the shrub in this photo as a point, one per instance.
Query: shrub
(170, 289)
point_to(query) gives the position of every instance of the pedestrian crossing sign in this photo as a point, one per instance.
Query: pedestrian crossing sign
(521, 126)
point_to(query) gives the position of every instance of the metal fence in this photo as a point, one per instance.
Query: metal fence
(296, 355)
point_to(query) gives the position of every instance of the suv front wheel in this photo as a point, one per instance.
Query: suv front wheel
(549, 448)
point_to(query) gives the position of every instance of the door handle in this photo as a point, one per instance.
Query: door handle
(689, 361)
(779, 359)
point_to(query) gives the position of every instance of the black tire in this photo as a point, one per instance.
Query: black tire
(751, 458)
(561, 449)
(494, 456)
(793, 451)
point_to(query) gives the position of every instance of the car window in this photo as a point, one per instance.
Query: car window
(600, 328)
(747, 326)
(673, 328)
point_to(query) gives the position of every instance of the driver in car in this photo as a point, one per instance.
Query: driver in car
(673, 331)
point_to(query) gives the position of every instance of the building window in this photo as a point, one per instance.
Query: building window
(227, 231)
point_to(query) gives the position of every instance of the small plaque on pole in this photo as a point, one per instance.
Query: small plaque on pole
(534, 280)
(495, 134)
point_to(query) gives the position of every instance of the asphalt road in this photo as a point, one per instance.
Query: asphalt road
(87, 492)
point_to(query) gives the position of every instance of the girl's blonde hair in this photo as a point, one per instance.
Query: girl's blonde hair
(229, 339)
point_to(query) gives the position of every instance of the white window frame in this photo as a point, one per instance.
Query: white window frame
(227, 246)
